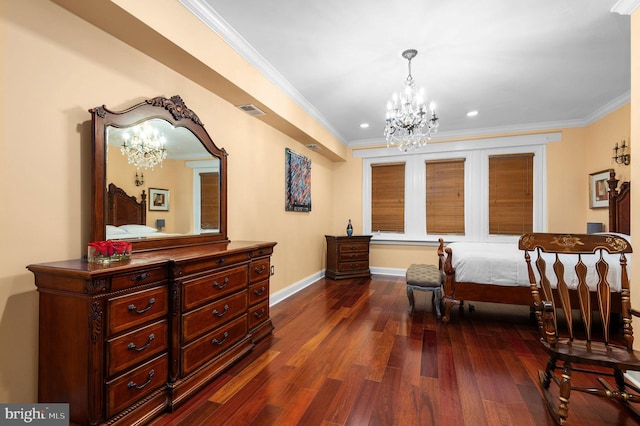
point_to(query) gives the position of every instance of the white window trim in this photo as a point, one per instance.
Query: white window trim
(476, 153)
(206, 166)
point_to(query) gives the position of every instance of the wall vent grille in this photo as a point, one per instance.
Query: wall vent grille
(252, 110)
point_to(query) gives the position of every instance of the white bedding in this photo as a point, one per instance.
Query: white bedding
(133, 231)
(503, 264)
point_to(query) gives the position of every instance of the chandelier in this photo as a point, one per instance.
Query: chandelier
(408, 124)
(144, 146)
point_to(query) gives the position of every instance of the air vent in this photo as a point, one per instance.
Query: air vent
(252, 110)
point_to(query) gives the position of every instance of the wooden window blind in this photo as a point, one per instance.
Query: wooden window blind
(445, 196)
(209, 201)
(511, 194)
(387, 197)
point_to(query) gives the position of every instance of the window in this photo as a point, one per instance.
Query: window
(209, 201)
(206, 198)
(445, 196)
(479, 190)
(387, 197)
(510, 194)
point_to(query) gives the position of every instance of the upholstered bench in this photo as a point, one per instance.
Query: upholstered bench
(424, 278)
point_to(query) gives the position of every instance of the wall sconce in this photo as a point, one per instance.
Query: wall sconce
(159, 224)
(620, 154)
(139, 180)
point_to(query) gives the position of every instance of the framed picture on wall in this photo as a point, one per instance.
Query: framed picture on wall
(599, 189)
(297, 182)
(159, 199)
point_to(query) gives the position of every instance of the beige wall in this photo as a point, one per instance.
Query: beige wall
(57, 66)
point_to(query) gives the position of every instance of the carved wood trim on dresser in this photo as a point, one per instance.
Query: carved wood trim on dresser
(123, 342)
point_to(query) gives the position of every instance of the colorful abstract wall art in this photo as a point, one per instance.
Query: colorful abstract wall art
(297, 182)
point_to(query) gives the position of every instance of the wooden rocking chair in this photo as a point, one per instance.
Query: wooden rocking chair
(583, 259)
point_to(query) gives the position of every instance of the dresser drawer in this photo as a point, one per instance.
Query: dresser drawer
(258, 292)
(202, 265)
(212, 286)
(352, 247)
(136, 309)
(133, 348)
(137, 384)
(259, 270)
(353, 257)
(212, 315)
(352, 266)
(258, 314)
(139, 277)
(210, 345)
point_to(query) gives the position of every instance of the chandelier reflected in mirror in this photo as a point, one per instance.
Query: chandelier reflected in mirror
(409, 122)
(144, 146)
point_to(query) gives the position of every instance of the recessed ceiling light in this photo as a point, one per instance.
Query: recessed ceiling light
(472, 113)
(364, 125)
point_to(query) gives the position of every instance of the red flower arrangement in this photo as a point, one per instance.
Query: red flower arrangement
(108, 251)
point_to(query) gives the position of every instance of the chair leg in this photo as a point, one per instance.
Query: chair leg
(437, 296)
(548, 373)
(565, 392)
(411, 300)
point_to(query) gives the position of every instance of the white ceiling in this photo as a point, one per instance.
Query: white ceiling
(525, 65)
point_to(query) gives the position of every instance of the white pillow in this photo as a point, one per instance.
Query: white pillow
(114, 230)
(138, 229)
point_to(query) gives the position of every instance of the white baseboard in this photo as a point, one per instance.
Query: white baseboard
(396, 272)
(281, 295)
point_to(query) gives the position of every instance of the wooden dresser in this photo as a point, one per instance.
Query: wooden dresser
(347, 257)
(123, 342)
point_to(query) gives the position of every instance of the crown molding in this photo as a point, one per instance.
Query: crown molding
(205, 12)
(625, 7)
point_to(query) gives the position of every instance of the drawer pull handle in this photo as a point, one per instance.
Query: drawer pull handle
(133, 384)
(260, 270)
(259, 314)
(221, 261)
(132, 307)
(220, 314)
(223, 285)
(220, 342)
(259, 292)
(141, 277)
(132, 345)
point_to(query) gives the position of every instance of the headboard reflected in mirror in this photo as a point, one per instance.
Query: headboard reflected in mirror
(165, 143)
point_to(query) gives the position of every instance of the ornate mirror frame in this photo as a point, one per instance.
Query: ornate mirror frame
(175, 112)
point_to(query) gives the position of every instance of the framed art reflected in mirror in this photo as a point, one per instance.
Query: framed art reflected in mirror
(599, 189)
(159, 199)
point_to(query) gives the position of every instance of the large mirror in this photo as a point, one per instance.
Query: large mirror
(159, 180)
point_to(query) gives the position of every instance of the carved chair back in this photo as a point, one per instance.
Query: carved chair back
(594, 265)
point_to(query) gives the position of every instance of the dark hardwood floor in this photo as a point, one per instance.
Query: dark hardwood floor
(347, 353)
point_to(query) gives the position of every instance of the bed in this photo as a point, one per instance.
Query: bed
(126, 217)
(496, 272)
